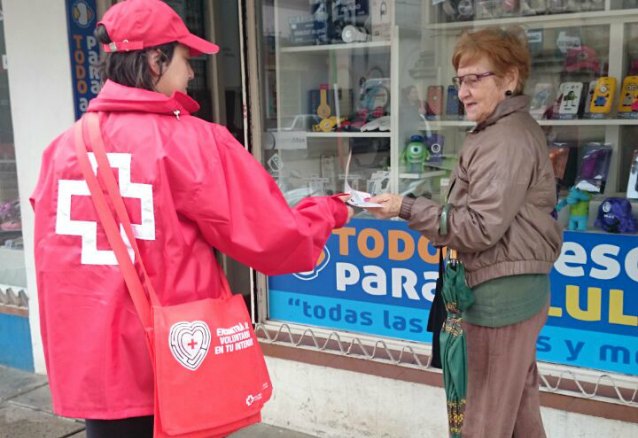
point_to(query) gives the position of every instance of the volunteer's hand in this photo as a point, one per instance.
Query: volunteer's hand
(390, 205)
(344, 198)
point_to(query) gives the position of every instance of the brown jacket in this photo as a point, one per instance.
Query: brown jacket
(503, 194)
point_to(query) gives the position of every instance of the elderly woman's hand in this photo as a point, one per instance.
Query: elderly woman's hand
(390, 205)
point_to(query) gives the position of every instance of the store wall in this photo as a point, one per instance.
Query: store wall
(329, 402)
(41, 108)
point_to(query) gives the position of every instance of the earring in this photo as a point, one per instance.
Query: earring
(508, 93)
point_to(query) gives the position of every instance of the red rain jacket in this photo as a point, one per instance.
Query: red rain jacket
(189, 187)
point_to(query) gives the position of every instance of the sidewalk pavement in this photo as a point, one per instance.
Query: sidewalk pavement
(25, 412)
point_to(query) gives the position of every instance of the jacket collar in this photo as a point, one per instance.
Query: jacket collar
(508, 106)
(118, 98)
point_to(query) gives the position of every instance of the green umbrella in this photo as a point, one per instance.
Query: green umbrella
(458, 297)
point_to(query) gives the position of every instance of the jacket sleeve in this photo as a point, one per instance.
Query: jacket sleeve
(241, 211)
(496, 188)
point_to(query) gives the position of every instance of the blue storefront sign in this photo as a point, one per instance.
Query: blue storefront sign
(378, 278)
(84, 52)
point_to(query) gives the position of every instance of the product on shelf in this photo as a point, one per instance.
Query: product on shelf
(454, 107)
(415, 154)
(487, 9)
(603, 97)
(628, 97)
(312, 28)
(615, 216)
(592, 5)
(353, 34)
(632, 182)
(344, 101)
(583, 58)
(381, 19)
(559, 156)
(435, 144)
(572, 100)
(323, 109)
(562, 6)
(434, 102)
(328, 124)
(350, 15)
(542, 100)
(594, 167)
(10, 219)
(589, 97)
(578, 202)
(533, 7)
(458, 10)
(379, 124)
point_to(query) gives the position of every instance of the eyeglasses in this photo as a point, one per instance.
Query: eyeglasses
(470, 80)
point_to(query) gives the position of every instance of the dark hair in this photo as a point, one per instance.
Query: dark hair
(131, 69)
(504, 48)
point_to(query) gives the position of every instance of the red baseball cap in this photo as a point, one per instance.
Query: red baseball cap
(138, 24)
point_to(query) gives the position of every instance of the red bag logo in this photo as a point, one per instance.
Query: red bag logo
(189, 343)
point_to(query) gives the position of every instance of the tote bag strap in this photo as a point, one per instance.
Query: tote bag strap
(92, 127)
(133, 282)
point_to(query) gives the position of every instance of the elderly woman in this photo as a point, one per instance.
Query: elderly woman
(501, 196)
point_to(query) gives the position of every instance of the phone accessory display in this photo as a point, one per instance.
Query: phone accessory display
(615, 216)
(589, 97)
(603, 97)
(594, 167)
(454, 108)
(434, 102)
(542, 100)
(572, 98)
(628, 98)
(632, 183)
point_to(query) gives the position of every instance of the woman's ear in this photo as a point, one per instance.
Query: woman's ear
(511, 79)
(153, 58)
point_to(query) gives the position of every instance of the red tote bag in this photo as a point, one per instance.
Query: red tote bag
(210, 374)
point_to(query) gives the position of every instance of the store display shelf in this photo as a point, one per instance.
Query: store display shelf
(545, 21)
(348, 134)
(441, 124)
(435, 125)
(324, 48)
(589, 122)
(423, 175)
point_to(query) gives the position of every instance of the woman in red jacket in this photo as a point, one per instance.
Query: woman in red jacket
(188, 186)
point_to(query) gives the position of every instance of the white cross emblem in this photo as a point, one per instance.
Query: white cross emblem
(64, 225)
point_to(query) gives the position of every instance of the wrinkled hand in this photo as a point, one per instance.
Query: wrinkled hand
(390, 205)
(344, 198)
